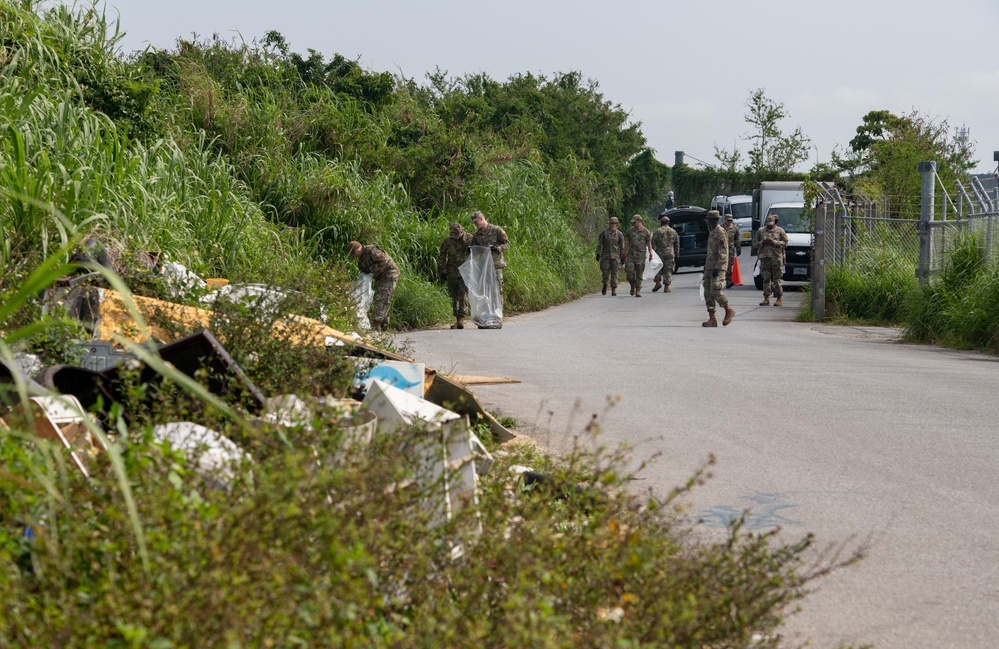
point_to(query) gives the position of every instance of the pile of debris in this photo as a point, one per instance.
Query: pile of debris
(73, 405)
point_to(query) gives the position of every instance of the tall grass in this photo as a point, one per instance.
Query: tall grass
(548, 261)
(874, 283)
(961, 307)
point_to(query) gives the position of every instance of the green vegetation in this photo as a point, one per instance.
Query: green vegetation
(960, 308)
(255, 163)
(773, 151)
(886, 151)
(258, 164)
(874, 283)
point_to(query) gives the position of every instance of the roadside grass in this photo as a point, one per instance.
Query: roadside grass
(873, 285)
(961, 307)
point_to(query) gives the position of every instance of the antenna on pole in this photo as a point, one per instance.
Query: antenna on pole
(961, 135)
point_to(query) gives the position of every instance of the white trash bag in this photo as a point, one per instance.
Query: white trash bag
(653, 267)
(363, 296)
(484, 299)
(700, 284)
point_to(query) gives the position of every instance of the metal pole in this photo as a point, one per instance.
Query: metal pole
(928, 169)
(819, 261)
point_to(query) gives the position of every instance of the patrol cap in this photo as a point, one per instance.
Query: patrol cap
(476, 215)
(663, 219)
(728, 217)
(637, 217)
(771, 218)
(354, 245)
(455, 227)
(613, 219)
(713, 214)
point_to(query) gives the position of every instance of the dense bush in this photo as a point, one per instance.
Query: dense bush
(294, 552)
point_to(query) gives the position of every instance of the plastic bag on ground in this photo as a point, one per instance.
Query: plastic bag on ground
(484, 299)
(653, 267)
(363, 296)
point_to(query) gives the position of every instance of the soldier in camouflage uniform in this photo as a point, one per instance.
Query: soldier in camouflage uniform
(637, 242)
(493, 237)
(769, 243)
(714, 271)
(384, 273)
(734, 247)
(610, 254)
(666, 243)
(454, 252)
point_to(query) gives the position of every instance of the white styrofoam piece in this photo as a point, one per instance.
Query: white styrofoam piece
(396, 408)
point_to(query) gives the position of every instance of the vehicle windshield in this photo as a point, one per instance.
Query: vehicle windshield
(741, 210)
(790, 218)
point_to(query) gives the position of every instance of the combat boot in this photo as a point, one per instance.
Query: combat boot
(780, 301)
(766, 301)
(729, 314)
(667, 289)
(613, 290)
(638, 290)
(632, 288)
(658, 286)
(603, 291)
(711, 322)
(728, 283)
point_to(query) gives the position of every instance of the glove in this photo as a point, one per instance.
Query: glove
(598, 256)
(715, 271)
(494, 247)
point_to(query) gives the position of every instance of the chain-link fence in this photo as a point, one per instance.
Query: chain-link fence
(916, 233)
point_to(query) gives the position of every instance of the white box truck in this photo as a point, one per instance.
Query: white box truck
(786, 199)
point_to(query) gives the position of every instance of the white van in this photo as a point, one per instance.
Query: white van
(740, 206)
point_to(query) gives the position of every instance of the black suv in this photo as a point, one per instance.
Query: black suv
(690, 224)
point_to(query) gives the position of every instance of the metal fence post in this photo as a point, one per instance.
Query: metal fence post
(928, 169)
(819, 261)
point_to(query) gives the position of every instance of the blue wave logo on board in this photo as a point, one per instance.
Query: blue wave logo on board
(390, 375)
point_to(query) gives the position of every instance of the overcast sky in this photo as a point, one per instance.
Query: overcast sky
(684, 69)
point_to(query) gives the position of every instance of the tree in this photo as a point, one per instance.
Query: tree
(887, 149)
(772, 149)
(728, 161)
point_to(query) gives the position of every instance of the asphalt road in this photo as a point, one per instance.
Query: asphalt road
(832, 430)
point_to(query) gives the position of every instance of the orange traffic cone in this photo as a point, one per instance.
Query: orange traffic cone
(736, 277)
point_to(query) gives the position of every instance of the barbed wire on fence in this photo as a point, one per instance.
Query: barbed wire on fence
(869, 234)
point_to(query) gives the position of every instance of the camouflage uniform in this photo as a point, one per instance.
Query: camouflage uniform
(493, 235)
(385, 274)
(454, 252)
(770, 242)
(666, 243)
(714, 272)
(638, 240)
(610, 247)
(734, 247)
